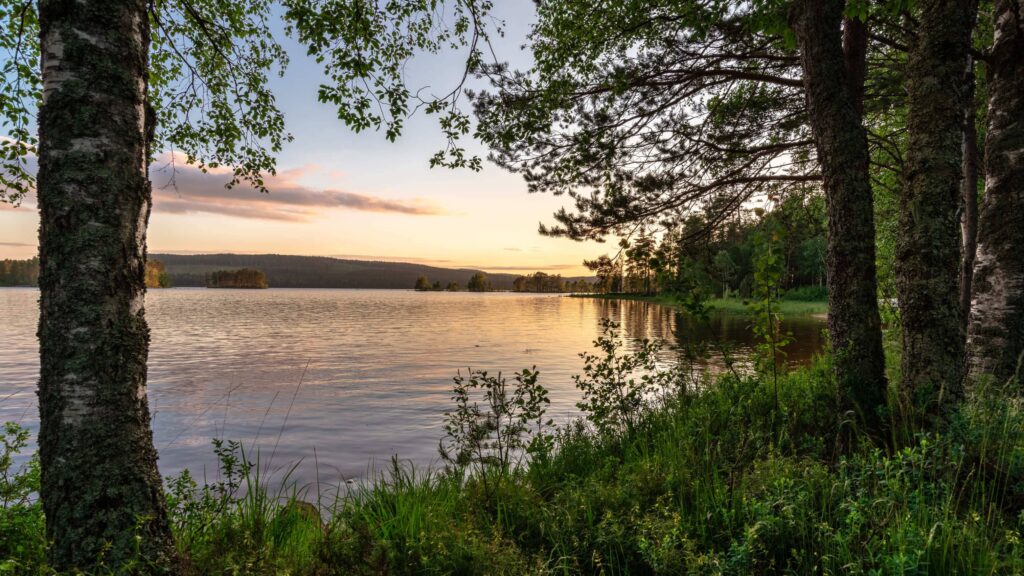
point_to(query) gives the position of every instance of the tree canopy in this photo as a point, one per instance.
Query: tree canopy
(640, 113)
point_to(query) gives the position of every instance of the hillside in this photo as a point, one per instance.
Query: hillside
(318, 271)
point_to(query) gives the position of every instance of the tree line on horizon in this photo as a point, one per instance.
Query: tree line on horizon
(423, 285)
(904, 115)
(19, 272)
(721, 262)
(536, 282)
(478, 282)
(552, 283)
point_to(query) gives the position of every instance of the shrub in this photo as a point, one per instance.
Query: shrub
(22, 528)
(492, 439)
(616, 387)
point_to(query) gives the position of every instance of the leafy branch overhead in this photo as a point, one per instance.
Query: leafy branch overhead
(640, 111)
(364, 48)
(20, 90)
(210, 66)
(211, 63)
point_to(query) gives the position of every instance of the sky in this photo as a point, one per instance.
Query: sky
(357, 195)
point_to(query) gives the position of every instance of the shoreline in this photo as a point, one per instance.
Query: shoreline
(731, 306)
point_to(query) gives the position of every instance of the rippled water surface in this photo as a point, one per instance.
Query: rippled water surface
(357, 375)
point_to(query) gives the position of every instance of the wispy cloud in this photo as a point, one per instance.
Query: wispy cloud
(549, 267)
(523, 249)
(410, 259)
(16, 245)
(181, 189)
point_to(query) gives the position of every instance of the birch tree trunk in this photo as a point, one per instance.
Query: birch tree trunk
(100, 485)
(969, 214)
(853, 319)
(928, 243)
(995, 332)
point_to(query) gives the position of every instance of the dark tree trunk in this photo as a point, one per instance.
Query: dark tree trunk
(969, 215)
(928, 243)
(855, 52)
(100, 485)
(995, 333)
(853, 319)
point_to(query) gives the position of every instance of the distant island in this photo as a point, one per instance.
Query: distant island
(156, 275)
(242, 278)
(478, 282)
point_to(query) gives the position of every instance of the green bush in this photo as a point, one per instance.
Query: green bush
(22, 529)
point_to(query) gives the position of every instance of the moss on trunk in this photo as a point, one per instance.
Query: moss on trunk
(100, 484)
(830, 80)
(928, 242)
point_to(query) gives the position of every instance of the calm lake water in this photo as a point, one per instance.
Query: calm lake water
(357, 375)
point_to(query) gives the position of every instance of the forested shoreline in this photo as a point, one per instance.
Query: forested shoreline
(724, 261)
(19, 272)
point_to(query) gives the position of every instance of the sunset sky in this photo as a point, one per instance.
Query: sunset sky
(356, 195)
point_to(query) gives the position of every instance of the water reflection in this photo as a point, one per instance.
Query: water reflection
(356, 375)
(706, 341)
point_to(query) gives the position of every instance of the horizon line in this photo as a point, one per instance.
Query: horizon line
(442, 264)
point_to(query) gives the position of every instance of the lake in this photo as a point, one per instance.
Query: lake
(357, 375)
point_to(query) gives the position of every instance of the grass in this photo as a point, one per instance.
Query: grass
(711, 480)
(785, 307)
(732, 306)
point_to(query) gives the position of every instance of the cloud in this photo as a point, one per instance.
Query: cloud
(183, 189)
(551, 267)
(16, 245)
(179, 188)
(524, 249)
(408, 259)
